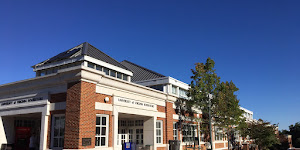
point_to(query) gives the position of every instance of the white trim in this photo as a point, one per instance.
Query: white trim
(59, 63)
(161, 114)
(103, 106)
(106, 132)
(162, 130)
(107, 65)
(52, 129)
(175, 116)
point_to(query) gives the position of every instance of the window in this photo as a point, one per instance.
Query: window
(174, 89)
(175, 131)
(139, 122)
(98, 68)
(106, 70)
(188, 133)
(125, 77)
(119, 75)
(139, 136)
(159, 132)
(218, 134)
(91, 65)
(58, 131)
(158, 87)
(101, 138)
(182, 93)
(112, 73)
(43, 72)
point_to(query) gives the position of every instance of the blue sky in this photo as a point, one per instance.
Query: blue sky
(254, 43)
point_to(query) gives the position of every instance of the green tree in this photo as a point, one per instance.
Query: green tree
(216, 100)
(202, 88)
(295, 132)
(263, 134)
(227, 112)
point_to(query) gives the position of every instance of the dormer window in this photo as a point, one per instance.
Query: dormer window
(112, 73)
(106, 70)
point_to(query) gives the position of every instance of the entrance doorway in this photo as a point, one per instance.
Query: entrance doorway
(131, 129)
(20, 128)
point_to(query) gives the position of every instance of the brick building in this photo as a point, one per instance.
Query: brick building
(84, 99)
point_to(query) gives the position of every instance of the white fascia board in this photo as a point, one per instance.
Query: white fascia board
(164, 80)
(246, 110)
(178, 83)
(156, 81)
(107, 65)
(59, 63)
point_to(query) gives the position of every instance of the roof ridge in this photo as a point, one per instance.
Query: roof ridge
(143, 68)
(88, 44)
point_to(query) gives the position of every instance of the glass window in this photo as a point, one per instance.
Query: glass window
(43, 72)
(188, 132)
(58, 131)
(119, 75)
(158, 87)
(175, 131)
(139, 122)
(106, 70)
(174, 89)
(91, 65)
(159, 131)
(218, 134)
(98, 67)
(101, 138)
(125, 77)
(112, 73)
(182, 93)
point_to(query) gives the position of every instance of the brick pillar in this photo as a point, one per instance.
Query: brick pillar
(80, 115)
(169, 121)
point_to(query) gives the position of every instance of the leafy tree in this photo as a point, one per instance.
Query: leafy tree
(263, 134)
(227, 112)
(204, 84)
(295, 132)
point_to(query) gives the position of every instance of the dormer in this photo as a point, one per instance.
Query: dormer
(83, 55)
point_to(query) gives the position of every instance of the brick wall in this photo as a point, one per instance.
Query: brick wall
(169, 121)
(161, 108)
(161, 148)
(100, 98)
(58, 97)
(80, 115)
(219, 145)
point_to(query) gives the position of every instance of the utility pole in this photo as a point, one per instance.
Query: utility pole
(209, 122)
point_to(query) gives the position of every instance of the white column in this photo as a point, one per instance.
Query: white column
(44, 131)
(154, 132)
(44, 126)
(115, 127)
(2, 133)
(149, 127)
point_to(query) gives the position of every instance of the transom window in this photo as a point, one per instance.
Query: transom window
(101, 138)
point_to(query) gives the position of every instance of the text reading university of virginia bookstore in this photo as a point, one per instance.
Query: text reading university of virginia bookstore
(84, 99)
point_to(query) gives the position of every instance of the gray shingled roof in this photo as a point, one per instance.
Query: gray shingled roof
(80, 50)
(140, 73)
